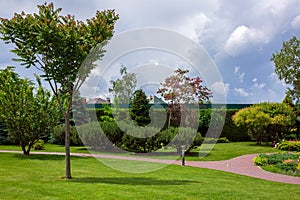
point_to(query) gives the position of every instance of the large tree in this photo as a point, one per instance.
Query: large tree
(59, 46)
(182, 91)
(28, 114)
(287, 65)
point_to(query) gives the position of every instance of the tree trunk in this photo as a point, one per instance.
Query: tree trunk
(67, 146)
(170, 115)
(25, 152)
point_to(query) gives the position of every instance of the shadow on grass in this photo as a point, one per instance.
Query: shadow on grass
(46, 157)
(197, 154)
(132, 181)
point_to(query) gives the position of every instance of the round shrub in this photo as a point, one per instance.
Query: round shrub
(39, 145)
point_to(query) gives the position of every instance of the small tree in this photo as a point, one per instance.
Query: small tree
(28, 115)
(61, 48)
(124, 87)
(255, 120)
(266, 120)
(122, 90)
(180, 90)
(139, 108)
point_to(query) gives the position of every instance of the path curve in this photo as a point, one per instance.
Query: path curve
(242, 165)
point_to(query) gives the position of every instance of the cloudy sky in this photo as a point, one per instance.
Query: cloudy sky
(239, 36)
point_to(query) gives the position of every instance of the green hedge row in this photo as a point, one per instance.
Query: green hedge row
(229, 130)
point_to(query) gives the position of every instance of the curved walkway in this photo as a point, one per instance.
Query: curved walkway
(242, 165)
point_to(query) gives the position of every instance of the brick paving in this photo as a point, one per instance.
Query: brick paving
(242, 165)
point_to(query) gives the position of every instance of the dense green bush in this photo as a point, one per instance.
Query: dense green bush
(92, 135)
(261, 160)
(176, 137)
(39, 145)
(140, 139)
(160, 116)
(58, 135)
(289, 146)
(230, 131)
(112, 132)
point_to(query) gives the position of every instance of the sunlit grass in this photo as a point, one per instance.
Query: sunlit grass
(40, 177)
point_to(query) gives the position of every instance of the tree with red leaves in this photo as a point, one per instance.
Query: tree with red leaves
(182, 94)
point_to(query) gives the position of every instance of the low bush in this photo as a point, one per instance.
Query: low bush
(112, 131)
(289, 146)
(39, 145)
(223, 140)
(176, 137)
(92, 135)
(216, 140)
(140, 139)
(261, 160)
(58, 136)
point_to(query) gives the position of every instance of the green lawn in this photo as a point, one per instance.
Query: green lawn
(39, 177)
(221, 151)
(225, 151)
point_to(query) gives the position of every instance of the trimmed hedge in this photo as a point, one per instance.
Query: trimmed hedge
(230, 131)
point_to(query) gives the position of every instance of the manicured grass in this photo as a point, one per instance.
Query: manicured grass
(221, 151)
(225, 151)
(39, 177)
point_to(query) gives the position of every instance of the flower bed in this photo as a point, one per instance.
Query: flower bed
(286, 163)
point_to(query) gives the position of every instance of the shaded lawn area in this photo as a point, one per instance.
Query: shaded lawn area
(221, 151)
(40, 177)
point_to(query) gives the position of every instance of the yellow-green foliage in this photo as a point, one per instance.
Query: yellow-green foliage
(265, 119)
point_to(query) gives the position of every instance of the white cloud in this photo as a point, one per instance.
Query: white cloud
(224, 28)
(194, 27)
(239, 74)
(242, 39)
(241, 92)
(259, 86)
(296, 23)
(220, 88)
